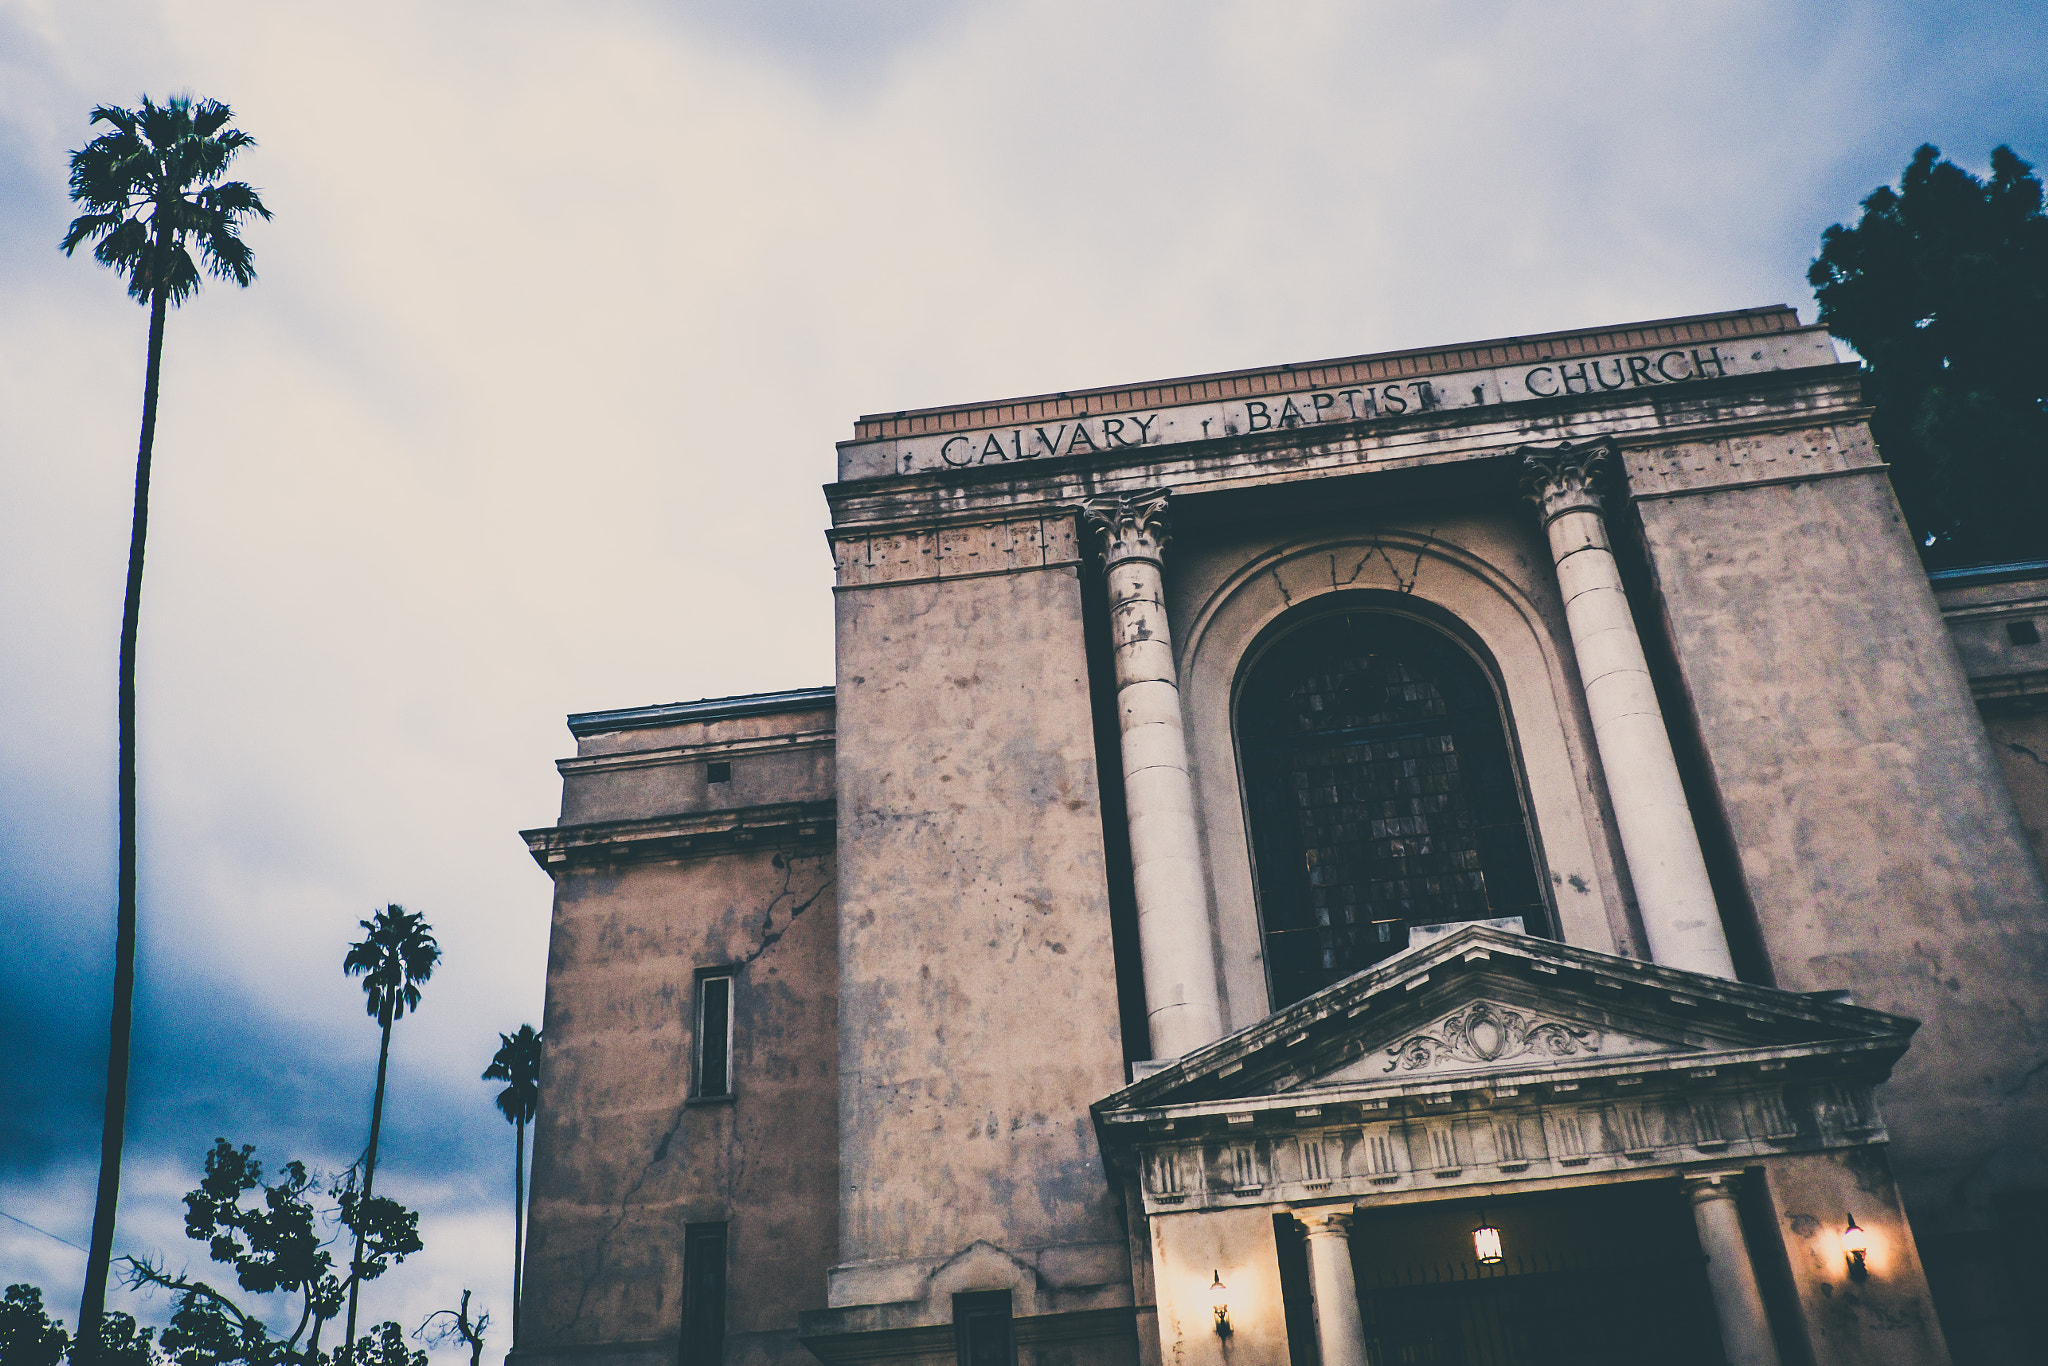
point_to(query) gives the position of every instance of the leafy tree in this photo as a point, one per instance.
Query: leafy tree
(119, 1343)
(153, 193)
(275, 1243)
(383, 1345)
(460, 1327)
(396, 955)
(1942, 286)
(28, 1336)
(518, 1064)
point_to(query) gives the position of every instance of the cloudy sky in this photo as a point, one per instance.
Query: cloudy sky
(562, 310)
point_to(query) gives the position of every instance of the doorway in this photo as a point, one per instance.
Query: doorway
(1596, 1276)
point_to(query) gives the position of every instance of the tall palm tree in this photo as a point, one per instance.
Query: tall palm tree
(396, 956)
(153, 192)
(518, 1064)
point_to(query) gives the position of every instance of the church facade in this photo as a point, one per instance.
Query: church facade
(1488, 854)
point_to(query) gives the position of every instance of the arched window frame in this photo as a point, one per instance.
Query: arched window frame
(1460, 637)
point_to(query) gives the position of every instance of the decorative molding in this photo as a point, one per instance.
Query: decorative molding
(694, 835)
(1131, 526)
(696, 754)
(1559, 479)
(1504, 1137)
(866, 559)
(1325, 1221)
(1483, 1033)
(1752, 459)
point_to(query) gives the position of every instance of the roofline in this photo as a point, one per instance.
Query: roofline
(1334, 1003)
(707, 709)
(1970, 575)
(1422, 360)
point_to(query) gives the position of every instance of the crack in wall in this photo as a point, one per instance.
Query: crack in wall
(2018, 748)
(770, 937)
(604, 1244)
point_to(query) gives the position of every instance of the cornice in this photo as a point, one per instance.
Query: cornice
(1297, 377)
(708, 709)
(1261, 1051)
(673, 754)
(1799, 398)
(696, 834)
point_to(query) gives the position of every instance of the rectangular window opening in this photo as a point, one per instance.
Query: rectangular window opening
(714, 1033)
(703, 1294)
(982, 1332)
(719, 772)
(2022, 633)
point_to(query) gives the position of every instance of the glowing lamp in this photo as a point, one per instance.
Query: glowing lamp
(1486, 1243)
(1854, 1246)
(1217, 1290)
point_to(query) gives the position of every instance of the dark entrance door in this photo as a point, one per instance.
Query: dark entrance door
(1607, 1276)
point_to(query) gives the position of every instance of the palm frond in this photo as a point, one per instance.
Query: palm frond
(154, 195)
(398, 953)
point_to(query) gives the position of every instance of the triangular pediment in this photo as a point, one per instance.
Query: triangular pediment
(1485, 1003)
(1484, 1033)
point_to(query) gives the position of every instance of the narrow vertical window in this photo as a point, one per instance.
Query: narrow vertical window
(982, 1333)
(703, 1294)
(714, 1034)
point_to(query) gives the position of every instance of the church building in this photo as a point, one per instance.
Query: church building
(1492, 854)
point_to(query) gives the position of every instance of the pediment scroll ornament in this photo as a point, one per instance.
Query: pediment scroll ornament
(1483, 1033)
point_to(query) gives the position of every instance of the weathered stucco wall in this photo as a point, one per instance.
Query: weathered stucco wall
(1188, 1251)
(1878, 840)
(623, 1159)
(1885, 1319)
(978, 1010)
(663, 770)
(1999, 622)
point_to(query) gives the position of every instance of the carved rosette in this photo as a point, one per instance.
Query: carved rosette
(1133, 526)
(1483, 1033)
(1559, 479)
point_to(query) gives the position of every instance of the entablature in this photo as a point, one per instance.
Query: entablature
(1733, 410)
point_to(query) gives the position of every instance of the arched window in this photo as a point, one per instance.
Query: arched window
(1382, 795)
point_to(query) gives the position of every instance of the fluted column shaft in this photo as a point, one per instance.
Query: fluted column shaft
(1738, 1303)
(1340, 1332)
(1658, 838)
(1183, 1010)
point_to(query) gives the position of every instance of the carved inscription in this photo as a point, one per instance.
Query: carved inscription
(1105, 436)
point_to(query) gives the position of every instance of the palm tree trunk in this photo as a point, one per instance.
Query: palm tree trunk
(100, 1257)
(355, 1269)
(518, 1225)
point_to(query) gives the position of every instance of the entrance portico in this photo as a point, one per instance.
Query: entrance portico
(1625, 1119)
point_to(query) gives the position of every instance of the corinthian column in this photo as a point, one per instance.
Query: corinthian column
(1340, 1331)
(1166, 851)
(1680, 917)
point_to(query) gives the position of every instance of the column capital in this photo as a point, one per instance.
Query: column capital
(1325, 1221)
(1133, 526)
(1701, 1187)
(1559, 479)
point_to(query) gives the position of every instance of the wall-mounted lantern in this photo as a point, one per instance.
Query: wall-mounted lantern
(1854, 1245)
(1217, 1291)
(1486, 1243)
